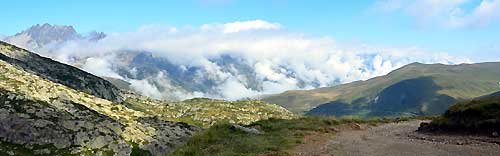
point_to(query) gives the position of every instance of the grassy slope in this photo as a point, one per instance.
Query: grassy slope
(277, 138)
(278, 135)
(480, 115)
(459, 81)
(202, 112)
(59, 72)
(205, 112)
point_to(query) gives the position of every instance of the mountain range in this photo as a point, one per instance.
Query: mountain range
(152, 64)
(415, 89)
(46, 35)
(133, 101)
(141, 69)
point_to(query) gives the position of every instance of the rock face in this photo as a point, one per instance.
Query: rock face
(70, 128)
(41, 35)
(59, 73)
(48, 108)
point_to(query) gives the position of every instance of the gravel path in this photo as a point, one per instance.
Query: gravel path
(397, 139)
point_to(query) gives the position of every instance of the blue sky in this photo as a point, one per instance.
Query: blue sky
(458, 27)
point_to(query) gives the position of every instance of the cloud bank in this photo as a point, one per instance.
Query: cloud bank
(448, 13)
(265, 59)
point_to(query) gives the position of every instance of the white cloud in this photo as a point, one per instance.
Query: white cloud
(281, 60)
(233, 89)
(487, 12)
(145, 88)
(100, 66)
(249, 25)
(447, 13)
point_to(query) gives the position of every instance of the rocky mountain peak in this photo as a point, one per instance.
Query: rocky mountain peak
(46, 33)
(38, 36)
(95, 36)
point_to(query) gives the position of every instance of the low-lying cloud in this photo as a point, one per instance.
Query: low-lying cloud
(279, 60)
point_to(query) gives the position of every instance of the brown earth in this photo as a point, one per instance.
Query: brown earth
(393, 139)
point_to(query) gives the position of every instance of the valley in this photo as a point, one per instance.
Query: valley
(97, 117)
(250, 78)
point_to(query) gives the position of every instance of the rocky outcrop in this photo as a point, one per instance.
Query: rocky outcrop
(38, 116)
(244, 129)
(207, 112)
(69, 128)
(59, 72)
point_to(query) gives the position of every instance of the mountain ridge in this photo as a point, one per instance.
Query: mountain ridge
(460, 82)
(167, 74)
(60, 73)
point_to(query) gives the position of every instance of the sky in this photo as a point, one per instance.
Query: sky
(462, 27)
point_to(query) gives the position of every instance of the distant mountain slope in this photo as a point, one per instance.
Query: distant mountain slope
(414, 89)
(156, 65)
(59, 73)
(168, 77)
(480, 116)
(119, 83)
(496, 94)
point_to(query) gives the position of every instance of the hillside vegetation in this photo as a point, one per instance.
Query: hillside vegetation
(59, 72)
(203, 112)
(415, 89)
(206, 112)
(476, 116)
(276, 138)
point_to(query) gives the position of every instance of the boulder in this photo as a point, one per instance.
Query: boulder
(245, 129)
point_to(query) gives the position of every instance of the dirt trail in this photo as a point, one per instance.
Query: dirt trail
(395, 139)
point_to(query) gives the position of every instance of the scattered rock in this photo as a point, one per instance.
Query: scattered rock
(424, 126)
(495, 134)
(356, 126)
(42, 151)
(98, 142)
(246, 130)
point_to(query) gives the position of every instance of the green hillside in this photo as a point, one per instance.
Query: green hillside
(414, 89)
(477, 116)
